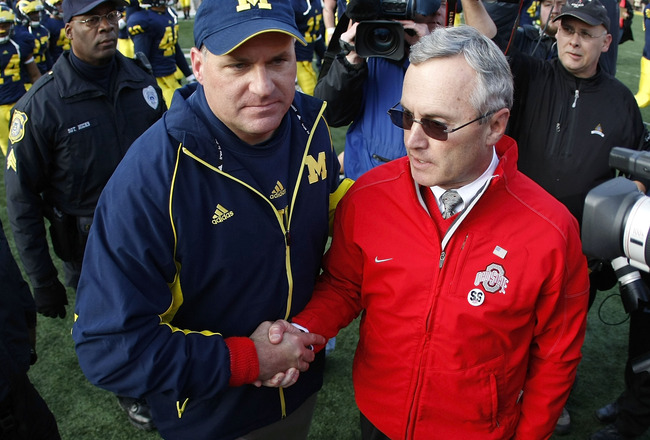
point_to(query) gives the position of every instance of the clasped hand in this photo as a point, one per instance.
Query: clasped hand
(283, 352)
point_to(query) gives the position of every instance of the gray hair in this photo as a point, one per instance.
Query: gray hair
(494, 88)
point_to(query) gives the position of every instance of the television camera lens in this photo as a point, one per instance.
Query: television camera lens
(381, 38)
(634, 292)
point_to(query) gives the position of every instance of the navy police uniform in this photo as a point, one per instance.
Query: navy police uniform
(67, 136)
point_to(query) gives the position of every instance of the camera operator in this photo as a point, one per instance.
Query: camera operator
(361, 90)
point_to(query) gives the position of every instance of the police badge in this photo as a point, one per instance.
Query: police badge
(150, 96)
(17, 130)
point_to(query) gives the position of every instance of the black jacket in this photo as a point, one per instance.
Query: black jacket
(342, 89)
(67, 136)
(566, 127)
(531, 40)
(17, 317)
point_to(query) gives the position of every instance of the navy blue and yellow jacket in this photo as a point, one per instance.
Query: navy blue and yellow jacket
(13, 54)
(155, 34)
(186, 254)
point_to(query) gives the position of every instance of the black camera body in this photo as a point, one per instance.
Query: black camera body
(616, 218)
(616, 227)
(377, 35)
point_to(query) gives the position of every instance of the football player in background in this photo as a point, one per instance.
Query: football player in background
(53, 22)
(309, 19)
(15, 58)
(154, 31)
(28, 13)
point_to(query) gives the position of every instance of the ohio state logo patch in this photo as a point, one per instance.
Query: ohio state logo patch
(493, 279)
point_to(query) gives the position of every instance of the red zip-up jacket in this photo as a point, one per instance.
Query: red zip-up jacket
(472, 334)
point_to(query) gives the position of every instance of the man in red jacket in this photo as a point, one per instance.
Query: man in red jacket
(473, 313)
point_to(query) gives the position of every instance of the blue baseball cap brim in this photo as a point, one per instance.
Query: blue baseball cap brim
(225, 41)
(224, 25)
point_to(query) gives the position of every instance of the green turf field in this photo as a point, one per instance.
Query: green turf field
(85, 412)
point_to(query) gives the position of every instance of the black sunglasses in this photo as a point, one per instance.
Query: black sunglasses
(433, 129)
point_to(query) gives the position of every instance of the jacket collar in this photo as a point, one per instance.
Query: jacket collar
(70, 85)
(186, 125)
(582, 83)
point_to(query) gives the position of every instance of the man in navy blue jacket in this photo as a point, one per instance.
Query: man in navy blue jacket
(215, 221)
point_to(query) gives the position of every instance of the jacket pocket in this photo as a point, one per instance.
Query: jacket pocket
(466, 399)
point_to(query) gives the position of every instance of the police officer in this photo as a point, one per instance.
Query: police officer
(68, 133)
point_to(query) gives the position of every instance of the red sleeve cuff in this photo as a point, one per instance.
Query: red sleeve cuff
(244, 365)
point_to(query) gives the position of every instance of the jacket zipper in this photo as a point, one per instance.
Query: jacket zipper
(443, 254)
(380, 158)
(576, 95)
(563, 123)
(284, 221)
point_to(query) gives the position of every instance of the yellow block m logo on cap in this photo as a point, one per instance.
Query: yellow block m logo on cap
(245, 5)
(316, 168)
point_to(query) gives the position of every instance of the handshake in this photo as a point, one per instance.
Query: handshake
(283, 351)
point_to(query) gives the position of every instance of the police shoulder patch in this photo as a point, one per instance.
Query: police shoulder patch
(17, 130)
(150, 96)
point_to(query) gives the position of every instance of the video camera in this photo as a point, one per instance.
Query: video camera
(377, 35)
(616, 219)
(616, 226)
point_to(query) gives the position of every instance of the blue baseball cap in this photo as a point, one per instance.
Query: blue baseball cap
(72, 8)
(224, 25)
